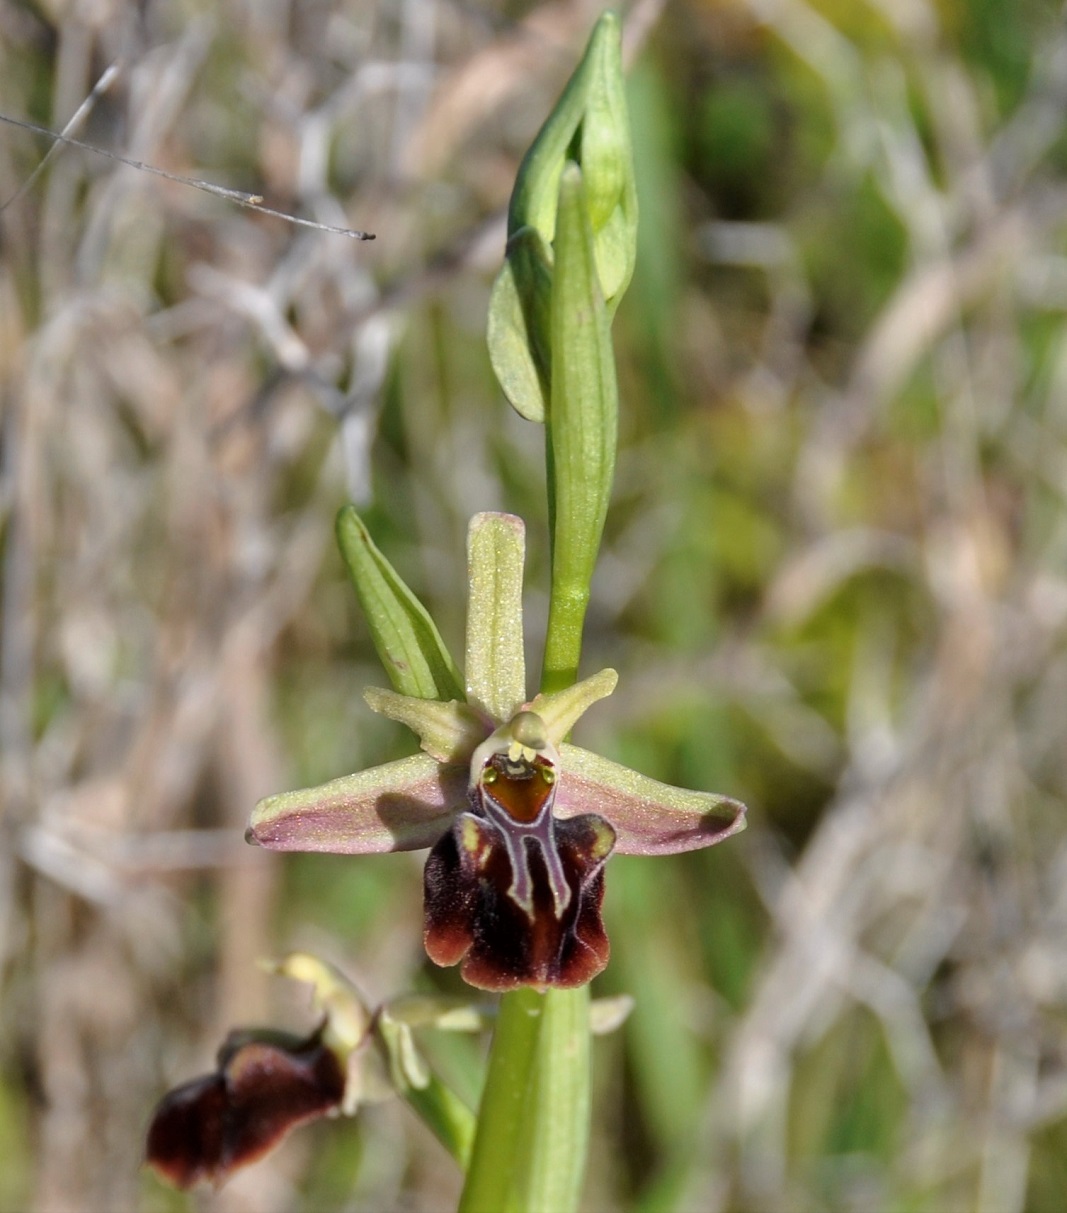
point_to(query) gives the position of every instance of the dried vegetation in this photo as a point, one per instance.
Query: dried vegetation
(834, 583)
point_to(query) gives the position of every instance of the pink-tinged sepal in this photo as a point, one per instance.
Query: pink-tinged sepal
(400, 806)
(649, 817)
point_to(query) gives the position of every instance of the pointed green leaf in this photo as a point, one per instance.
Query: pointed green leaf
(496, 665)
(534, 198)
(405, 637)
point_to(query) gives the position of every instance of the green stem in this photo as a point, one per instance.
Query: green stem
(448, 1117)
(558, 1135)
(560, 1131)
(568, 601)
(504, 1112)
(563, 643)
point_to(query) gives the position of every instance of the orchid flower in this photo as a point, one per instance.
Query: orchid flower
(520, 821)
(268, 1083)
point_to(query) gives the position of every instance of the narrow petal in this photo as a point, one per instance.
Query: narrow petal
(400, 806)
(649, 817)
(561, 709)
(447, 732)
(496, 666)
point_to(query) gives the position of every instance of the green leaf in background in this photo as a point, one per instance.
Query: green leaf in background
(405, 637)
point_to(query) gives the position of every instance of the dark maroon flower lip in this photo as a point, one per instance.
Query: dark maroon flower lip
(267, 1083)
(471, 916)
(510, 891)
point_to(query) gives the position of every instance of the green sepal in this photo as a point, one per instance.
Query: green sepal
(495, 661)
(406, 638)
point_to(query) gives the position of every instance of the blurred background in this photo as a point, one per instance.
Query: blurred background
(833, 581)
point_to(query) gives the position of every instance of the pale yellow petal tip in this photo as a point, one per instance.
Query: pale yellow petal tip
(348, 1020)
(741, 821)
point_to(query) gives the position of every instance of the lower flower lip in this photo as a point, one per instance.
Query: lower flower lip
(501, 942)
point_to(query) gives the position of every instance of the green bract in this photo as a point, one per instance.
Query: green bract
(406, 638)
(582, 429)
(589, 126)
